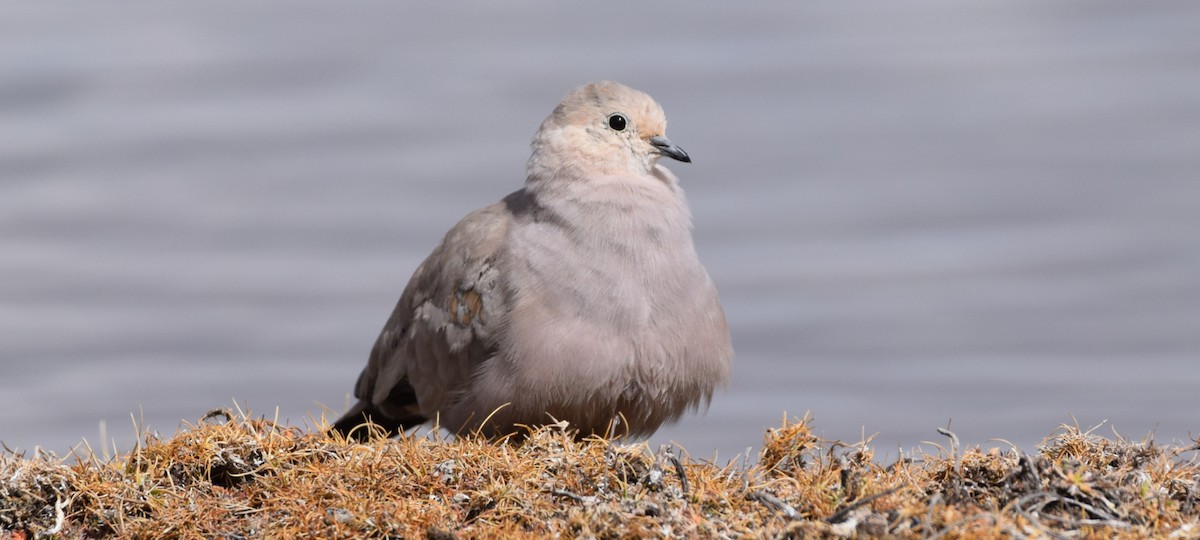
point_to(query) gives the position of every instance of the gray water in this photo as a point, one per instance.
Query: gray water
(916, 212)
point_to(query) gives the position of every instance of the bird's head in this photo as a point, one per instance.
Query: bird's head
(604, 126)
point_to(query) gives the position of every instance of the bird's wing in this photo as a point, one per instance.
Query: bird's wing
(445, 323)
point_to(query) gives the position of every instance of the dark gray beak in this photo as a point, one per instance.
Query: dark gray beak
(668, 148)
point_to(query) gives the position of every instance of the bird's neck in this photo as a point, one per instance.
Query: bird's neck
(614, 212)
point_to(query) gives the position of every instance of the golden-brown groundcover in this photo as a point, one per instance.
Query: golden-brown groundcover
(231, 476)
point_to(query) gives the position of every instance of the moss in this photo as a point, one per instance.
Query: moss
(244, 478)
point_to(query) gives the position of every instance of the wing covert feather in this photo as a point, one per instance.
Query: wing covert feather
(444, 324)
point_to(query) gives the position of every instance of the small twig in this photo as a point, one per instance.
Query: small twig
(683, 480)
(840, 515)
(774, 502)
(583, 476)
(953, 442)
(1078, 523)
(1102, 516)
(216, 413)
(572, 495)
(59, 516)
(1098, 512)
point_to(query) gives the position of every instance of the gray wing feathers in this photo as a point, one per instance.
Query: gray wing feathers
(444, 324)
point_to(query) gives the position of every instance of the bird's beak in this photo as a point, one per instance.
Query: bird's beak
(668, 148)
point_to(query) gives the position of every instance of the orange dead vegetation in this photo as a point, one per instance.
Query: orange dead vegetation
(231, 476)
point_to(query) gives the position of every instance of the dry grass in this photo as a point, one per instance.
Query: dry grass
(235, 477)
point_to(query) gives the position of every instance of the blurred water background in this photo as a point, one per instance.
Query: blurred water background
(916, 212)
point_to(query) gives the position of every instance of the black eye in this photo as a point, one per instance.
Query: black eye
(617, 122)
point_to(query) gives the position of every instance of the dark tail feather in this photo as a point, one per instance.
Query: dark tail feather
(364, 422)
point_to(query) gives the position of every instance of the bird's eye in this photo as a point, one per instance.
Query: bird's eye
(616, 122)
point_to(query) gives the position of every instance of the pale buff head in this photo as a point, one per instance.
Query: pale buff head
(603, 126)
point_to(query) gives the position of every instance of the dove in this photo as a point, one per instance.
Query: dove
(579, 298)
